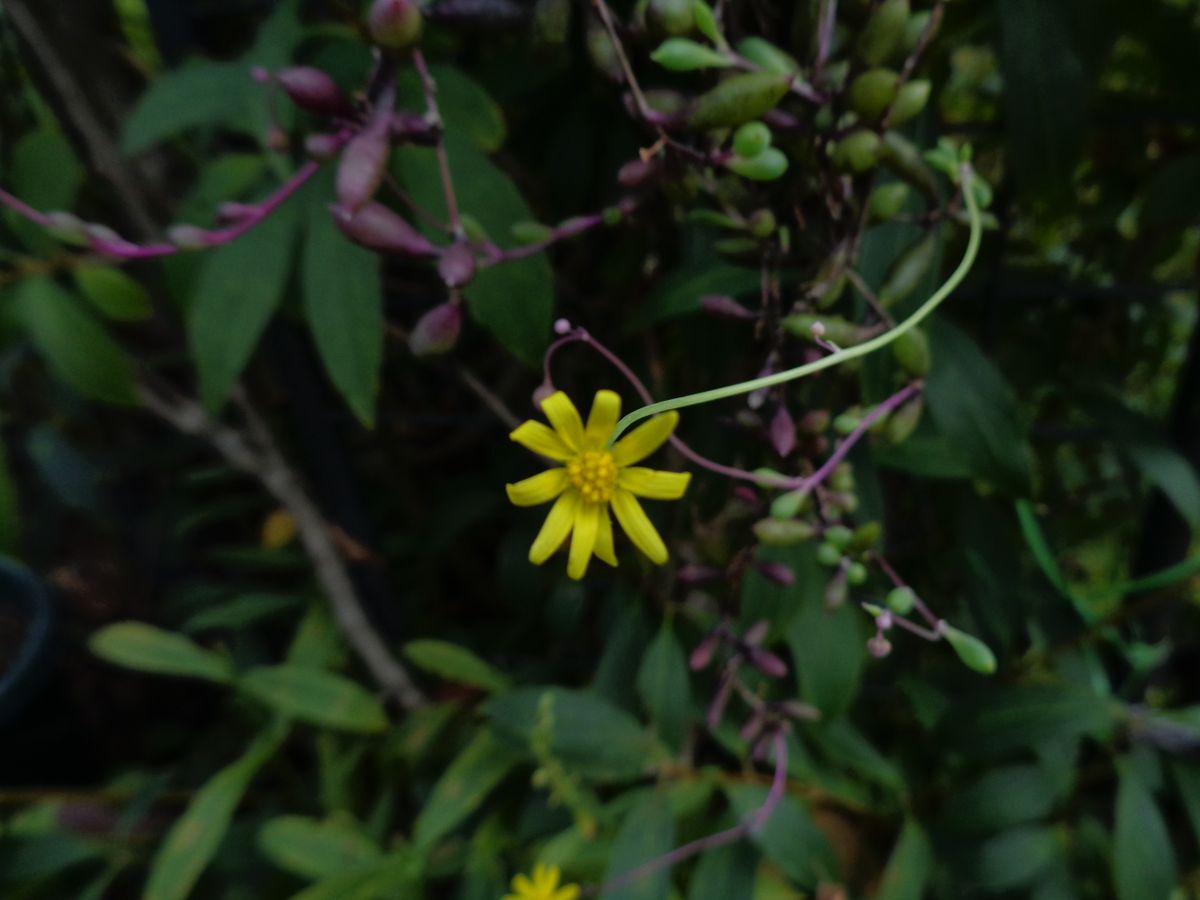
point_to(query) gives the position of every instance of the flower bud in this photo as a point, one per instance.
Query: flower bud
(751, 139)
(884, 32)
(857, 152)
(757, 632)
(394, 24)
(879, 646)
(910, 100)
(911, 350)
(412, 128)
(457, 264)
(637, 172)
(887, 200)
(724, 306)
(789, 505)
(767, 662)
(693, 575)
(671, 16)
(541, 392)
(682, 55)
(766, 166)
(901, 600)
(872, 92)
(767, 56)
(739, 98)
(704, 651)
(322, 147)
(776, 572)
(974, 653)
(437, 331)
(313, 90)
(783, 533)
(362, 166)
(187, 237)
(379, 228)
(783, 432)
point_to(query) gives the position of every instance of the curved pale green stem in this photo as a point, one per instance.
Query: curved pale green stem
(841, 356)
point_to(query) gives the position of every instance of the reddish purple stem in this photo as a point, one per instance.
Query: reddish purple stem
(710, 842)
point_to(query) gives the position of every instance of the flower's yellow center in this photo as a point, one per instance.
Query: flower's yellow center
(594, 473)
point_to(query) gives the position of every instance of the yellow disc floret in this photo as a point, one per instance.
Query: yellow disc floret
(594, 473)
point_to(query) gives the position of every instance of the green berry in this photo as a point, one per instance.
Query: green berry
(856, 573)
(751, 139)
(901, 600)
(839, 536)
(828, 555)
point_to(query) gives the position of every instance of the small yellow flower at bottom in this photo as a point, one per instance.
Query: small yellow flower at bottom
(542, 886)
(593, 479)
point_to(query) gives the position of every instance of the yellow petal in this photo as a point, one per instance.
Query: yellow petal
(522, 885)
(570, 892)
(556, 527)
(604, 538)
(644, 439)
(541, 488)
(653, 484)
(583, 541)
(541, 874)
(633, 519)
(543, 440)
(606, 409)
(565, 418)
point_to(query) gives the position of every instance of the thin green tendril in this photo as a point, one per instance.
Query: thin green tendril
(841, 356)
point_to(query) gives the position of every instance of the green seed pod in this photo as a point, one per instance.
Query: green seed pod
(974, 653)
(766, 166)
(778, 533)
(839, 536)
(857, 152)
(846, 423)
(904, 421)
(530, 232)
(739, 98)
(789, 505)
(884, 32)
(828, 555)
(682, 55)
(911, 350)
(909, 270)
(767, 56)
(671, 16)
(872, 92)
(867, 535)
(910, 100)
(887, 200)
(856, 573)
(751, 139)
(901, 600)
(902, 156)
(914, 30)
(762, 223)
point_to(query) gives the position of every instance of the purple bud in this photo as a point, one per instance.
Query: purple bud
(716, 709)
(379, 228)
(783, 431)
(776, 572)
(703, 654)
(457, 264)
(437, 331)
(721, 305)
(187, 237)
(314, 91)
(767, 662)
(562, 326)
(543, 390)
(637, 172)
(755, 633)
(753, 728)
(260, 74)
(693, 575)
(412, 128)
(746, 495)
(879, 646)
(322, 146)
(362, 167)
(395, 24)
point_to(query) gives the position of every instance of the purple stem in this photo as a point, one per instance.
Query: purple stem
(435, 114)
(122, 249)
(712, 841)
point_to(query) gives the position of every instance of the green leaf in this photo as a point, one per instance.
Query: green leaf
(463, 787)
(201, 94)
(1004, 797)
(648, 831)
(682, 55)
(113, 293)
(10, 516)
(242, 611)
(906, 876)
(996, 722)
(193, 839)
(663, 684)
(515, 302)
(679, 293)
(589, 736)
(467, 109)
(725, 873)
(314, 849)
(976, 410)
(45, 172)
(1144, 865)
(455, 663)
(789, 838)
(829, 652)
(320, 698)
(343, 305)
(1017, 858)
(1187, 778)
(76, 348)
(238, 291)
(396, 877)
(136, 645)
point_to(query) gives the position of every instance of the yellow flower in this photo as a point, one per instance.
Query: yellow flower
(592, 478)
(543, 886)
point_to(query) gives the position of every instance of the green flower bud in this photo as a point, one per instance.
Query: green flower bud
(914, 30)
(842, 478)
(832, 291)
(856, 573)
(789, 505)
(762, 223)
(739, 98)
(901, 600)
(904, 421)
(394, 24)
(911, 350)
(683, 55)
(845, 423)
(885, 31)
(828, 555)
(867, 535)
(766, 166)
(839, 536)
(751, 139)
(910, 100)
(887, 200)
(767, 56)
(872, 92)
(530, 232)
(974, 653)
(779, 533)
(671, 16)
(857, 152)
